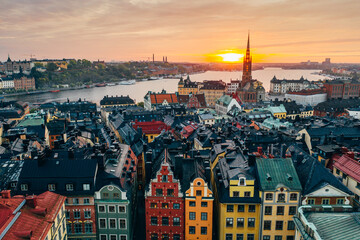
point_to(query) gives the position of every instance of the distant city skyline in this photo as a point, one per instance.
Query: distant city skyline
(282, 31)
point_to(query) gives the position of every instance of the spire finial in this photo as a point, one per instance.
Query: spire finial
(248, 43)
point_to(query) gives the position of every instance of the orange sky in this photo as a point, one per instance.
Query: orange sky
(183, 30)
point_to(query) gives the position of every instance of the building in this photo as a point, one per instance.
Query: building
(277, 111)
(227, 104)
(24, 83)
(164, 203)
(307, 97)
(193, 100)
(150, 129)
(212, 90)
(55, 131)
(354, 112)
(278, 86)
(321, 224)
(250, 90)
(116, 101)
(33, 217)
(186, 87)
(280, 191)
(237, 205)
(335, 107)
(232, 86)
(152, 100)
(339, 89)
(7, 82)
(207, 119)
(276, 124)
(14, 67)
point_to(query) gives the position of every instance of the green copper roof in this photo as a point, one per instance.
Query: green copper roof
(277, 172)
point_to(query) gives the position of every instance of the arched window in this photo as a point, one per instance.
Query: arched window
(242, 181)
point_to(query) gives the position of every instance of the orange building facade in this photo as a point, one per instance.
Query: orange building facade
(198, 211)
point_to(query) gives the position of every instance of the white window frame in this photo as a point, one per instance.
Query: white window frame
(105, 223)
(86, 186)
(125, 223)
(110, 235)
(111, 206)
(51, 187)
(99, 208)
(123, 207)
(122, 235)
(85, 215)
(115, 223)
(103, 235)
(68, 188)
(24, 187)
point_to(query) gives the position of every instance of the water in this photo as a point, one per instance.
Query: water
(138, 90)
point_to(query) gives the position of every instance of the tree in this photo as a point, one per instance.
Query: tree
(141, 104)
(51, 67)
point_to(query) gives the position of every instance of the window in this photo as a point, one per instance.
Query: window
(291, 225)
(176, 221)
(251, 208)
(230, 208)
(153, 205)
(154, 236)
(116, 195)
(176, 236)
(67, 214)
(280, 210)
(278, 237)
(267, 225)
(103, 237)
(198, 193)
(122, 223)
(289, 237)
(86, 187)
(77, 228)
(76, 214)
(113, 237)
(111, 209)
(191, 230)
(164, 178)
(242, 182)
(311, 201)
(340, 201)
(68, 228)
(170, 192)
(292, 210)
(228, 236)
(240, 222)
(204, 216)
(293, 196)
(241, 208)
(112, 223)
(236, 194)
(101, 208)
(247, 194)
(165, 205)
(269, 196)
(159, 192)
(75, 201)
(88, 228)
(87, 214)
(203, 230)
(250, 237)
(165, 221)
(239, 236)
(192, 204)
(86, 201)
(251, 222)
(176, 206)
(122, 209)
(153, 221)
(204, 204)
(266, 237)
(279, 225)
(192, 216)
(281, 197)
(229, 222)
(268, 210)
(325, 201)
(105, 195)
(51, 187)
(69, 187)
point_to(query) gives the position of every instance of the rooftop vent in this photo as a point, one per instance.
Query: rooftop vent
(289, 177)
(268, 177)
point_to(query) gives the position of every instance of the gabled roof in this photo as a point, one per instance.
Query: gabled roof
(277, 172)
(349, 166)
(159, 98)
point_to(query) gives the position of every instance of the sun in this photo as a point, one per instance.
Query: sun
(231, 57)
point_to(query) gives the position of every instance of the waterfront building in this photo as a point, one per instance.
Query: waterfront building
(164, 202)
(116, 101)
(186, 87)
(153, 100)
(33, 217)
(250, 90)
(24, 83)
(7, 82)
(237, 205)
(280, 190)
(227, 103)
(278, 86)
(212, 90)
(339, 89)
(14, 67)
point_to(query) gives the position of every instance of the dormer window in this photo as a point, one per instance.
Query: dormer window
(51, 187)
(164, 178)
(24, 187)
(69, 187)
(242, 181)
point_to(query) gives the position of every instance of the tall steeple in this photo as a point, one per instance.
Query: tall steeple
(246, 77)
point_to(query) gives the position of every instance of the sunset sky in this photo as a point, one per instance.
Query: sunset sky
(182, 30)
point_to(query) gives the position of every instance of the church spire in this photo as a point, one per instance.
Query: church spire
(246, 77)
(248, 44)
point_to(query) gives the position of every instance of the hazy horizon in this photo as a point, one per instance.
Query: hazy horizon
(281, 31)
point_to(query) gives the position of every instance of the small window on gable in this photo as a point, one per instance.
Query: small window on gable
(242, 181)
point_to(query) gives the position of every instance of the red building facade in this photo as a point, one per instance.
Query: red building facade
(337, 89)
(164, 206)
(24, 83)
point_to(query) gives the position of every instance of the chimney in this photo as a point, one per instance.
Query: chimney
(260, 150)
(23, 234)
(6, 194)
(31, 201)
(39, 211)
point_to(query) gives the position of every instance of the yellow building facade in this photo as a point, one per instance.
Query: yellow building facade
(198, 211)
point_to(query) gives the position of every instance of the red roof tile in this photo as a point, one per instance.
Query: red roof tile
(349, 166)
(160, 97)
